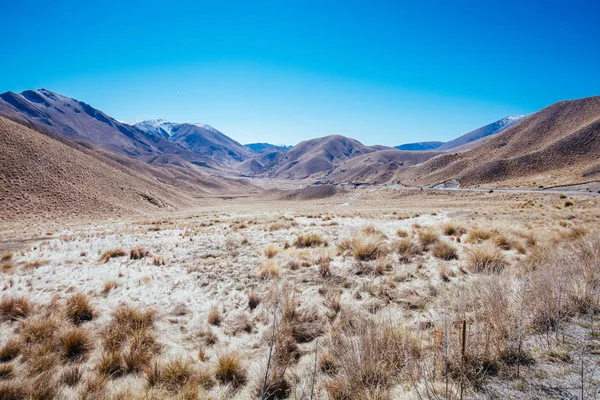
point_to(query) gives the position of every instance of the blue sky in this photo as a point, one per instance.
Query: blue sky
(383, 72)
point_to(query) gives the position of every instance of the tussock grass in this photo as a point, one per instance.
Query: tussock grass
(107, 255)
(75, 343)
(6, 256)
(158, 260)
(214, 316)
(304, 240)
(453, 229)
(78, 309)
(428, 236)
(9, 350)
(269, 270)
(13, 308)
(138, 253)
(229, 369)
(478, 235)
(444, 251)
(35, 264)
(271, 250)
(253, 300)
(363, 247)
(109, 285)
(485, 258)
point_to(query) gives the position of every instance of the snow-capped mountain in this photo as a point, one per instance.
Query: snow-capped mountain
(199, 138)
(488, 130)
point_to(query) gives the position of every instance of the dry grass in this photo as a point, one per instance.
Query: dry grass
(14, 308)
(109, 285)
(269, 270)
(229, 369)
(107, 255)
(444, 251)
(138, 253)
(78, 309)
(453, 229)
(158, 260)
(271, 250)
(75, 343)
(478, 235)
(171, 375)
(485, 258)
(35, 264)
(304, 240)
(214, 316)
(253, 300)
(10, 350)
(363, 247)
(6, 256)
(428, 236)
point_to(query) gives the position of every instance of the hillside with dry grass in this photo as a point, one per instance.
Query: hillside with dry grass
(557, 145)
(42, 176)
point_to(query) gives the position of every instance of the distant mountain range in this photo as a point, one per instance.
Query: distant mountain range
(198, 159)
(464, 140)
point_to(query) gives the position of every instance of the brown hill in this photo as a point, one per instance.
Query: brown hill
(316, 155)
(378, 167)
(48, 177)
(557, 145)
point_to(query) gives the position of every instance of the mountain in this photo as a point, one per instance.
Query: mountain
(78, 121)
(315, 156)
(485, 131)
(262, 147)
(378, 167)
(199, 138)
(558, 145)
(420, 146)
(47, 175)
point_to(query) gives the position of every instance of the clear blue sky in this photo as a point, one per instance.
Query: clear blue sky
(385, 72)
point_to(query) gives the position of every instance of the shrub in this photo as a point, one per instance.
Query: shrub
(485, 258)
(308, 240)
(445, 251)
(107, 255)
(14, 308)
(229, 369)
(78, 309)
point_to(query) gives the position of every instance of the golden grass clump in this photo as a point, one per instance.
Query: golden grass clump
(444, 251)
(214, 316)
(138, 253)
(75, 343)
(10, 350)
(428, 236)
(78, 309)
(109, 285)
(229, 369)
(158, 260)
(269, 270)
(6, 256)
(171, 375)
(363, 247)
(453, 229)
(35, 264)
(14, 308)
(485, 258)
(107, 255)
(271, 250)
(478, 235)
(304, 240)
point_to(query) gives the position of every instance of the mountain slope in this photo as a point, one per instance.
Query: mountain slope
(80, 122)
(46, 176)
(557, 145)
(316, 156)
(378, 167)
(488, 130)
